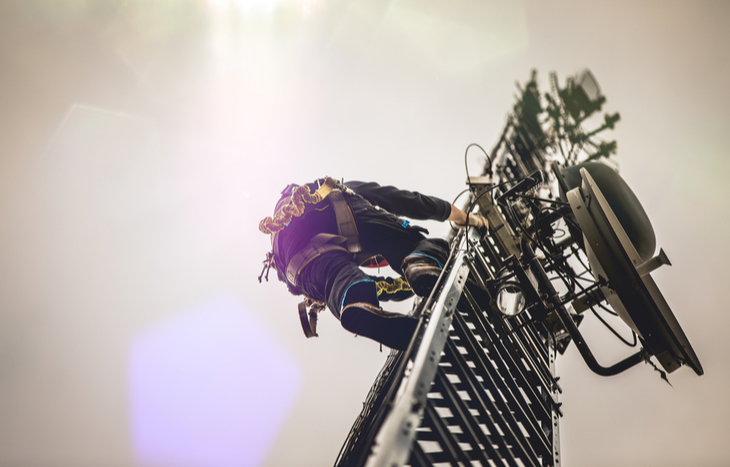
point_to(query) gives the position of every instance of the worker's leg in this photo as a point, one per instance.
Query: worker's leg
(391, 329)
(407, 251)
(422, 267)
(351, 296)
(383, 233)
(433, 249)
(333, 277)
(394, 242)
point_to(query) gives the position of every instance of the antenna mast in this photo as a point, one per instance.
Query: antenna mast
(477, 385)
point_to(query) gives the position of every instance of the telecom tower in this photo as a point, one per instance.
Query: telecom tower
(477, 385)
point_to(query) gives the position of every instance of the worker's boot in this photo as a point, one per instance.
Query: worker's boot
(421, 274)
(391, 329)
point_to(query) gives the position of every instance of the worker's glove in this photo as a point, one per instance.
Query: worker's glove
(475, 220)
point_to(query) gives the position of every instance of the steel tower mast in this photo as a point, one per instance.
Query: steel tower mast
(477, 385)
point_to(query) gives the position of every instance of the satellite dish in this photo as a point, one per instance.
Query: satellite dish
(631, 290)
(621, 199)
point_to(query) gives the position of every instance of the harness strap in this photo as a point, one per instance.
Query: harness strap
(346, 225)
(319, 244)
(309, 326)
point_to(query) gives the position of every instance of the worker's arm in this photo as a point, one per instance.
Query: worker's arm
(411, 204)
(459, 218)
(414, 205)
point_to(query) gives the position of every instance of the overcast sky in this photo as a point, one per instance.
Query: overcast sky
(142, 141)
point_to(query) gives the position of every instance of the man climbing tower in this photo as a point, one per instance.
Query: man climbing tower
(322, 232)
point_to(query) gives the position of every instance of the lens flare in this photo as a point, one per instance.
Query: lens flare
(209, 387)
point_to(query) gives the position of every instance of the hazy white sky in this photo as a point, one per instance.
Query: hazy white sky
(142, 141)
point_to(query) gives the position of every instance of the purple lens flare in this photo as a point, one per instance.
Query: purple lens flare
(209, 387)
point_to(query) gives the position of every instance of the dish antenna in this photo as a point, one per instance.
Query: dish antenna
(622, 256)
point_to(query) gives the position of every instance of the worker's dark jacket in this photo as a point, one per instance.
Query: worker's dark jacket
(376, 210)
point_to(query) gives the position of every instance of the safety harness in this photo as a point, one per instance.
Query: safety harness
(346, 239)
